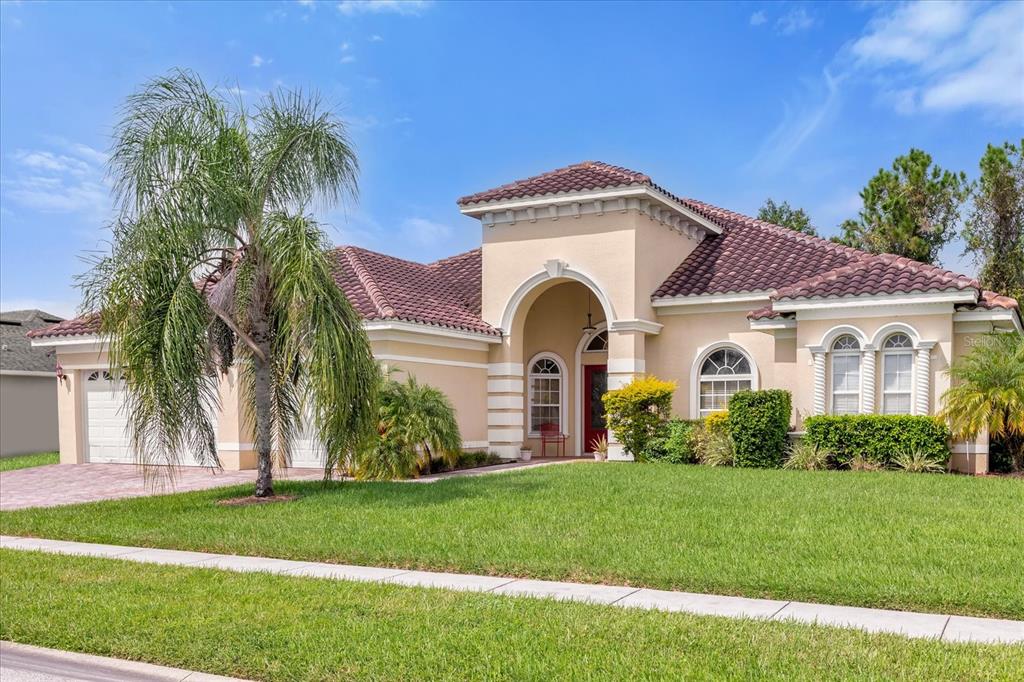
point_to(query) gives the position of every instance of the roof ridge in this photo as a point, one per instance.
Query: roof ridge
(626, 177)
(380, 301)
(448, 259)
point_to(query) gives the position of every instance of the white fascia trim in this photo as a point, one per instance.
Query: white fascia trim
(771, 324)
(995, 315)
(380, 336)
(429, 329)
(475, 445)
(72, 344)
(645, 326)
(792, 306)
(26, 373)
(387, 357)
(478, 210)
(710, 299)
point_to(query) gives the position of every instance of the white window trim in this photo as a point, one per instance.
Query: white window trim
(563, 382)
(698, 362)
(912, 352)
(859, 390)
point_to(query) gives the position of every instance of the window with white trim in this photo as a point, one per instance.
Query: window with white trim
(545, 394)
(846, 375)
(722, 374)
(598, 343)
(897, 374)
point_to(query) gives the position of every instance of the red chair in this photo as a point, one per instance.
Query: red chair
(550, 433)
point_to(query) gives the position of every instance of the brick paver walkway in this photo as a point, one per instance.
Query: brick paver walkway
(57, 484)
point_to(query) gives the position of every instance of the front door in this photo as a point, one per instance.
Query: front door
(595, 384)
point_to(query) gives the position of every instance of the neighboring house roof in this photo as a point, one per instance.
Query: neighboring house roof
(16, 352)
(749, 256)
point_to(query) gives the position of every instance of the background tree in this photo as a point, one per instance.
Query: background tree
(994, 230)
(911, 210)
(214, 262)
(785, 215)
(988, 393)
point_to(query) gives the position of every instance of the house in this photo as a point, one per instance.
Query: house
(28, 385)
(592, 274)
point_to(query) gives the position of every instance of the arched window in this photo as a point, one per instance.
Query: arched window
(897, 374)
(723, 373)
(546, 393)
(598, 343)
(846, 375)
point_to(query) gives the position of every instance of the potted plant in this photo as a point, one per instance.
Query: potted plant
(525, 454)
(600, 447)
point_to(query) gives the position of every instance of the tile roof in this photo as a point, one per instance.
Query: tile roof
(445, 293)
(749, 256)
(79, 326)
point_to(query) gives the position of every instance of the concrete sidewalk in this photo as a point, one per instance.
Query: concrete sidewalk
(25, 663)
(948, 628)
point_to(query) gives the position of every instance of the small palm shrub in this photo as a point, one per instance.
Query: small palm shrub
(599, 446)
(714, 448)
(918, 461)
(807, 456)
(861, 462)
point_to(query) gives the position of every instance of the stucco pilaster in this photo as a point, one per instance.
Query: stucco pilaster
(922, 367)
(867, 398)
(818, 359)
(235, 436)
(626, 361)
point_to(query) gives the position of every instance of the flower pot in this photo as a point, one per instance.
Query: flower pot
(525, 454)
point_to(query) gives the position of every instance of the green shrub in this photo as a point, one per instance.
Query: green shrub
(638, 411)
(805, 455)
(759, 426)
(918, 462)
(676, 442)
(879, 438)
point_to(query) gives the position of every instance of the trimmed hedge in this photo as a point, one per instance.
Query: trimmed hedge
(759, 426)
(878, 437)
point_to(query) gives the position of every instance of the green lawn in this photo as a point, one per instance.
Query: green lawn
(908, 541)
(25, 461)
(262, 626)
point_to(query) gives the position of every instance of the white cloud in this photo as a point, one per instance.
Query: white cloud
(424, 232)
(307, 3)
(52, 182)
(407, 7)
(258, 61)
(794, 21)
(798, 124)
(348, 58)
(947, 56)
(376, 38)
(345, 47)
(757, 18)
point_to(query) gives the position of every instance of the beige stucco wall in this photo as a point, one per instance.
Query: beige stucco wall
(445, 369)
(28, 414)
(672, 353)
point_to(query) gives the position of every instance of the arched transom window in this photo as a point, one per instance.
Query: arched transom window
(897, 374)
(598, 343)
(546, 383)
(846, 375)
(723, 373)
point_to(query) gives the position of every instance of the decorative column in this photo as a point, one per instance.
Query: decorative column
(818, 357)
(867, 379)
(505, 408)
(625, 363)
(923, 383)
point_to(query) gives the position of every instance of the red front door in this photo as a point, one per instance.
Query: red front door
(595, 383)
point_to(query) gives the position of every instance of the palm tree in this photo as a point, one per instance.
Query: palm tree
(417, 421)
(214, 262)
(988, 392)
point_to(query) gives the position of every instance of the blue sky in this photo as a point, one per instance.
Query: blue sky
(728, 103)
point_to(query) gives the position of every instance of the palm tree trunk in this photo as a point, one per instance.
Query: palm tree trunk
(262, 381)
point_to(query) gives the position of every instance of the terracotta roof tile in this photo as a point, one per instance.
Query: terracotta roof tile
(79, 326)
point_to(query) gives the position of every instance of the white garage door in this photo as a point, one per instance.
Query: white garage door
(106, 426)
(307, 450)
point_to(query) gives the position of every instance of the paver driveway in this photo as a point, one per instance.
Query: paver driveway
(57, 484)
